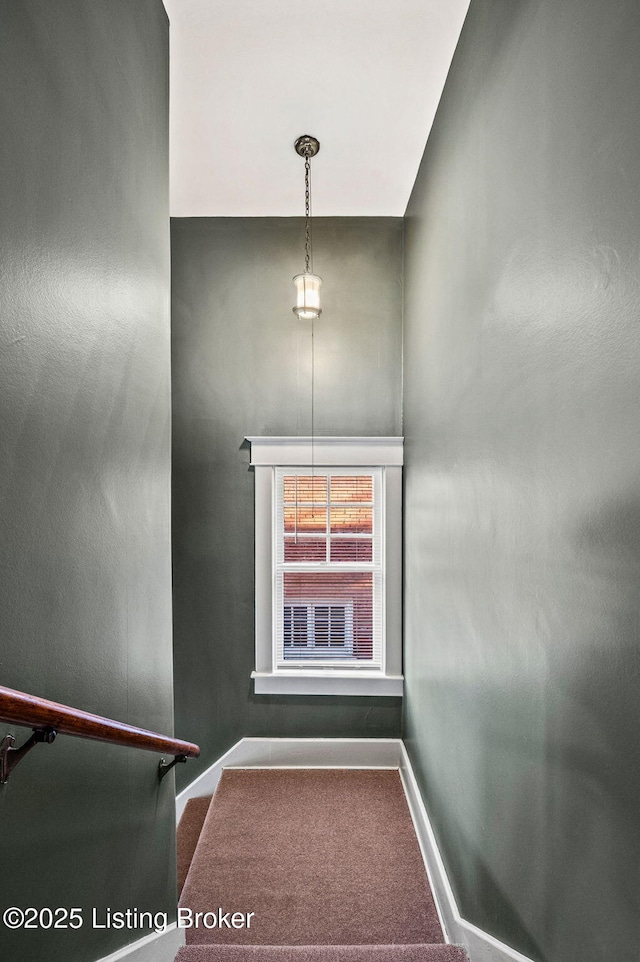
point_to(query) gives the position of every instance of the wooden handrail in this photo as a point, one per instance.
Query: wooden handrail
(18, 708)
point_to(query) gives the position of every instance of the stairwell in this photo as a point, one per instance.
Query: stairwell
(306, 865)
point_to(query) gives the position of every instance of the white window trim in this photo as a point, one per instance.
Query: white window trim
(266, 454)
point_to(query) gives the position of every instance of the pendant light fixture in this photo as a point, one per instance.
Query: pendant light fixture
(307, 284)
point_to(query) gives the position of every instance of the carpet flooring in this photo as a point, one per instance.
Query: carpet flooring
(188, 835)
(322, 953)
(321, 857)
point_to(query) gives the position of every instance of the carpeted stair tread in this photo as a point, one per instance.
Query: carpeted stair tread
(322, 857)
(188, 833)
(322, 953)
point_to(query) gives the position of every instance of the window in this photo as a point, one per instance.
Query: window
(328, 566)
(328, 563)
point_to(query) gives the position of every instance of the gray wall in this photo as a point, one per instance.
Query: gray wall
(522, 366)
(241, 366)
(85, 607)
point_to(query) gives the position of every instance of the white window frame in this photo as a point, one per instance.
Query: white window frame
(267, 453)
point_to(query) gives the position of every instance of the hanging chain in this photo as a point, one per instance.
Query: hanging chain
(307, 147)
(307, 207)
(307, 268)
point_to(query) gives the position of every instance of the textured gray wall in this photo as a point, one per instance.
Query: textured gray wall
(241, 366)
(522, 366)
(85, 609)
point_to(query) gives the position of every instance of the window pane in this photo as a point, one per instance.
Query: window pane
(351, 520)
(342, 607)
(299, 488)
(353, 488)
(305, 549)
(351, 549)
(305, 519)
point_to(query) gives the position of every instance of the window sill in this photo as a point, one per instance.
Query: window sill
(323, 683)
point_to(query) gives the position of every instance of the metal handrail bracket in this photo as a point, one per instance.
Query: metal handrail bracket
(165, 767)
(10, 756)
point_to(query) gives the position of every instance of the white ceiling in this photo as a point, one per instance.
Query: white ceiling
(249, 76)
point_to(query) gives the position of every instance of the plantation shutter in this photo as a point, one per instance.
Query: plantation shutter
(328, 592)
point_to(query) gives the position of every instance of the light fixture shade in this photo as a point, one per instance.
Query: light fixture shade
(307, 296)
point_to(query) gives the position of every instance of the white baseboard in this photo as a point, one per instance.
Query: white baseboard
(358, 753)
(295, 753)
(481, 946)
(156, 947)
